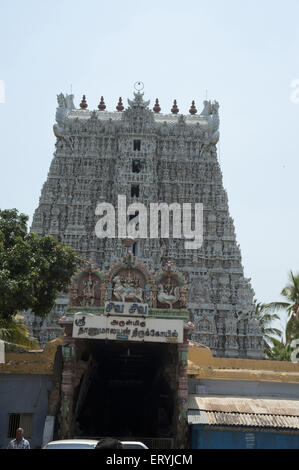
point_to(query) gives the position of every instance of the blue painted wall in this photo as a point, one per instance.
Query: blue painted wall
(204, 437)
(24, 394)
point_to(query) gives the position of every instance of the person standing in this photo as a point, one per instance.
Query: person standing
(19, 442)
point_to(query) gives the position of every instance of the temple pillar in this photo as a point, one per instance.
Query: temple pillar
(182, 392)
(68, 379)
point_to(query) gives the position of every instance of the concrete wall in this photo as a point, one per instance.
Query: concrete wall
(24, 394)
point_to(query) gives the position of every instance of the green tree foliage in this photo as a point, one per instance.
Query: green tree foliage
(13, 330)
(33, 269)
(265, 318)
(292, 329)
(291, 293)
(280, 351)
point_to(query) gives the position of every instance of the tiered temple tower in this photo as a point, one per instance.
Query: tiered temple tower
(150, 157)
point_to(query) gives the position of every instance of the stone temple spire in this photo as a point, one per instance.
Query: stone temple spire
(151, 157)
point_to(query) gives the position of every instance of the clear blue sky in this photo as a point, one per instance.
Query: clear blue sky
(245, 54)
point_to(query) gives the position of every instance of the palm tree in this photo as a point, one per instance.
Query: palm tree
(265, 318)
(292, 329)
(13, 330)
(291, 294)
(280, 351)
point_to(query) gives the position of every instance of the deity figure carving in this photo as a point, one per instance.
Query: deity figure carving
(199, 290)
(231, 342)
(253, 325)
(206, 322)
(89, 291)
(230, 324)
(166, 298)
(86, 289)
(124, 293)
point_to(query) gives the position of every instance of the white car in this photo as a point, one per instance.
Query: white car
(89, 444)
(133, 445)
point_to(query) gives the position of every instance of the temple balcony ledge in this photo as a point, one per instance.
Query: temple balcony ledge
(202, 364)
(19, 360)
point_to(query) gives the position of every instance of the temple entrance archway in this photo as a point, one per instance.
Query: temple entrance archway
(125, 355)
(128, 390)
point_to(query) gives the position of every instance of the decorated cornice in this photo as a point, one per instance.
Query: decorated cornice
(202, 364)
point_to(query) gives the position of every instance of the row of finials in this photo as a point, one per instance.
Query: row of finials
(120, 107)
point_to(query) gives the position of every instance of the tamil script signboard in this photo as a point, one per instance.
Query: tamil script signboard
(123, 327)
(127, 308)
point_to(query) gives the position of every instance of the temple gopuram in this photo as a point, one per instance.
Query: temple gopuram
(149, 157)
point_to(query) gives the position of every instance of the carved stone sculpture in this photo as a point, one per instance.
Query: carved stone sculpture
(126, 293)
(168, 299)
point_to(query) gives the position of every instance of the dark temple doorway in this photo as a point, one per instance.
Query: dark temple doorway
(128, 390)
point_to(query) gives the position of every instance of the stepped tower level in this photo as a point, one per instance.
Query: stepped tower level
(151, 157)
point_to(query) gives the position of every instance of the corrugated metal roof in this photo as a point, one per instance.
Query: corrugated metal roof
(243, 419)
(253, 406)
(197, 417)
